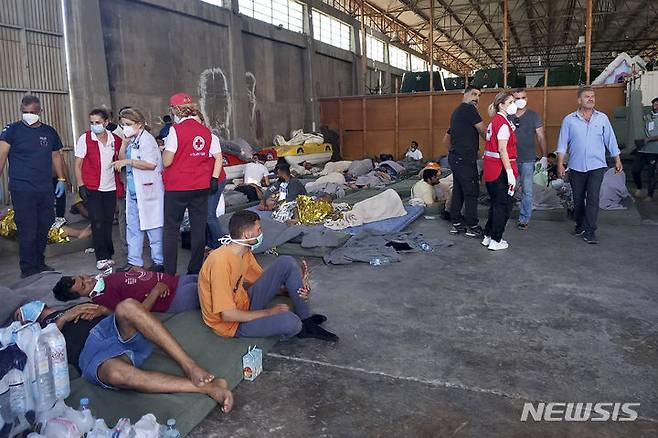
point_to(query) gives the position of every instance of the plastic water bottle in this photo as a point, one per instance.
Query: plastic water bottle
(44, 388)
(380, 261)
(147, 427)
(100, 430)
(82, 417)
(61, 428)
(58, 360)
(171, 431)
(123, 429)
(17, 392)
(56, 411)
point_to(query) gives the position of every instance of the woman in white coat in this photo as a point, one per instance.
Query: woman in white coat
(141, 157)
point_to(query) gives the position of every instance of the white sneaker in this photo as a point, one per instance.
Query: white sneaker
(59, 222)
(102, 265)
(486, 241)
(497, 246)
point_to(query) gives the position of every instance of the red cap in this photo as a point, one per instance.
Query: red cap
(180, 99)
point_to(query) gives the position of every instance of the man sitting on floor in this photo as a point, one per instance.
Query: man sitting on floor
(157, 291)
(424, 189)
(286, 189)
(234, 291)
(108, 350)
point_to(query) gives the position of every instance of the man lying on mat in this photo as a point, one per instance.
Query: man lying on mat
(159, 292)
(234, 290)
(108, 349)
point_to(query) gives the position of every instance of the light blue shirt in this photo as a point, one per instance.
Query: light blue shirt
(587, 141)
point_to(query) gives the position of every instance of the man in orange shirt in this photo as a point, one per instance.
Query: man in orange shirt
(234, 291)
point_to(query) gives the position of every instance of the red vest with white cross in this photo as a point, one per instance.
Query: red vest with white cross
(493, 165)
(91, 164)
(192, 166)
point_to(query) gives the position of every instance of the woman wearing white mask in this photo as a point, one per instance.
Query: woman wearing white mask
(500, 169)
(98, 183)
(141, 157)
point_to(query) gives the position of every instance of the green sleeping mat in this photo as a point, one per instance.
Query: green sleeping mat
(222, 357)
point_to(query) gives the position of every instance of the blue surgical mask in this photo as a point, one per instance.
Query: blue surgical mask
(176, 119)
(228, 239)
(98, 288)
(30, 312)
(97, 129)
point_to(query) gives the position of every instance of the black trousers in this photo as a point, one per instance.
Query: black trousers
(101, 206)
(500, 207)
(465, 191)
(175, 203)
(33, 214)
(642, 160)
(586, 187)
(60, 203)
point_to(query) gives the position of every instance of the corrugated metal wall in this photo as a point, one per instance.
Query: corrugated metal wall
(33, 61)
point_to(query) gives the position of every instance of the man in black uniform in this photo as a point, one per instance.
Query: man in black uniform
(465, 125)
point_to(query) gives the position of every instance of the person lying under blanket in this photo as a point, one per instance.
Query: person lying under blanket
(286, 189)
(108, 350)
(235, 291)
(157, 291)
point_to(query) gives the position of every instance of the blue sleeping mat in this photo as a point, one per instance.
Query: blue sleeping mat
(393, 225)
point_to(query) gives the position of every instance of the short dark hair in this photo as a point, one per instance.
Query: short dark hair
(552, 155)
(518, 90)
(584, 88)
(124, 108)
(166, 118)
(655, 99)
(471, 88)
(102, 113)
(428, 174)
(62, 289)
(29, 99)
(240, 221)
(414, 142)
(285, 168)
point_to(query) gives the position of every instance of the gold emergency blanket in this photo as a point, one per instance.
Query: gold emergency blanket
(8, 229)
(313, 211)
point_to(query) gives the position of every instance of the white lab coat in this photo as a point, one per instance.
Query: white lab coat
(149, 187)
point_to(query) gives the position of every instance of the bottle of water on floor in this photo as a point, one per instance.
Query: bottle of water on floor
(171, 431)
(82, 417)
(44, 391)
(380, 261)
(17, 392)
(147, 427)
(100, 430)
(58, 360)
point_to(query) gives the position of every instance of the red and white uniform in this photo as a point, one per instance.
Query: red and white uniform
(193, 146)
(97, 170)
(499, 129)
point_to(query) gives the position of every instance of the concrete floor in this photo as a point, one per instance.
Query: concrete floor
(453, 343)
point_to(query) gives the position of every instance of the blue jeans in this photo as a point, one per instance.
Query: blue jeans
(285, 271)
(213, 230)
(526, 173)
(135, 236)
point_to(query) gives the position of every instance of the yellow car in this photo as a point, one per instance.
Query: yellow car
(314, 153)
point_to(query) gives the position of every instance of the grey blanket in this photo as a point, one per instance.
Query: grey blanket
(368, 245)
(613, 191)
(333, 189)
(360, 167)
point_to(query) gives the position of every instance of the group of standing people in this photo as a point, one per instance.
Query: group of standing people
(510, 158)
(113, 166)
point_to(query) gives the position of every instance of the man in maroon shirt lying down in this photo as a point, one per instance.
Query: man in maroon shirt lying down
(157, 291)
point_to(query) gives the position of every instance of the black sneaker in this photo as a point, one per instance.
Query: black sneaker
(312, 330)
(522, 226)
(475, 231)
(578, 231)
(457, 228)
(590, 238)
(45, 268)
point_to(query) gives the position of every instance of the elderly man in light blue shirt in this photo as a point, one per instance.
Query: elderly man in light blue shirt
(586, 134)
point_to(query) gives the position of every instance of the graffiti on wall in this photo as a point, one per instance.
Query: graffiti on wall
(215, 101)
(255, 118)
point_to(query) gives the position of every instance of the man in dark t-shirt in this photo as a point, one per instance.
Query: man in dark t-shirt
(466, 126)
(109, 348)
(33, 150)
(157, 291)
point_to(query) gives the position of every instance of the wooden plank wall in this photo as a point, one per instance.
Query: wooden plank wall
(371, 125)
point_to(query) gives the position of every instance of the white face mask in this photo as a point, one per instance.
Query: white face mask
(129, 131)
(176, 119)
(521, 103)
(30, 118)
(511, 109)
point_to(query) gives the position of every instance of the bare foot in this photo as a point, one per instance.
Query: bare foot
(218, 390)
(85, 232)
(198, 375)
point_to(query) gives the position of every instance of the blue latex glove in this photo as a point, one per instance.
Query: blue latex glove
(59, 189)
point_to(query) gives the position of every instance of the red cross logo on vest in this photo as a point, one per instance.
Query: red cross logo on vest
(198, 143)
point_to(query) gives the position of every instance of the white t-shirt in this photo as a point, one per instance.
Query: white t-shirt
(424, 191)
(171, 141)
(414, 155)
(106, 182)
(254, 173)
